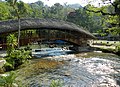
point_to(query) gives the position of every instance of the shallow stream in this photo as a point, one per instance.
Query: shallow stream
(91, 69)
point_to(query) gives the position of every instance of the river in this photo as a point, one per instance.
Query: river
(87, 69)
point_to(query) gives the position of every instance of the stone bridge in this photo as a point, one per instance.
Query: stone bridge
(56, 29)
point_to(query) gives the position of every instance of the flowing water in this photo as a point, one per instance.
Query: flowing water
(91, 69)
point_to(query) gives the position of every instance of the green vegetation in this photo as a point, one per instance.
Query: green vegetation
(4, 11)
(8, 80)
(104, 20)
(80, 16)
(18, 9)
(11, 43)
(15, 57)
(89, 21)
(56, 83)
(111, 16)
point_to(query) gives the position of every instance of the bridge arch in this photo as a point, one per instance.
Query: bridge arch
(78, 32)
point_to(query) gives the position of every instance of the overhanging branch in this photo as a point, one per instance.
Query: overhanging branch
(100, 11)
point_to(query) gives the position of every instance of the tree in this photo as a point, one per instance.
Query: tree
(88, 20)
(37, 9)
(19, 8)
(4, 11)
(57, 11)
(112, 13)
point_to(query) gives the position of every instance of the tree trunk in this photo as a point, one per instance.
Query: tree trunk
(19, 27)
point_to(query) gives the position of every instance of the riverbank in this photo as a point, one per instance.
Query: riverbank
(106, 49)
(106, 46)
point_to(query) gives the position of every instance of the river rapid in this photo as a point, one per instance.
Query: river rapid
(90, 69)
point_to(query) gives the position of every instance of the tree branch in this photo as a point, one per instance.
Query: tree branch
(100, 11)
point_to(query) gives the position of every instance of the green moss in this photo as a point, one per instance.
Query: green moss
(39, 66)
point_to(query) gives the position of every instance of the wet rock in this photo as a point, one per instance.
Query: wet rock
(69, 60)
(67, 74)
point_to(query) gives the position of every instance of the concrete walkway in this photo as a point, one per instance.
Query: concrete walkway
(105, 47)
(101, 44)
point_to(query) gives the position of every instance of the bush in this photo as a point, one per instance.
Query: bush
(27, 48)
(8, 80)
(16, 58)
(11, 43)
(8, 66)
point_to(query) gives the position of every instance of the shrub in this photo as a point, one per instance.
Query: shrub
(11, 43)
(27, 48)
(8, 80)
(16, 58)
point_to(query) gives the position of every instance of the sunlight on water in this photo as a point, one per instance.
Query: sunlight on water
(78, 71)
(102, 68)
